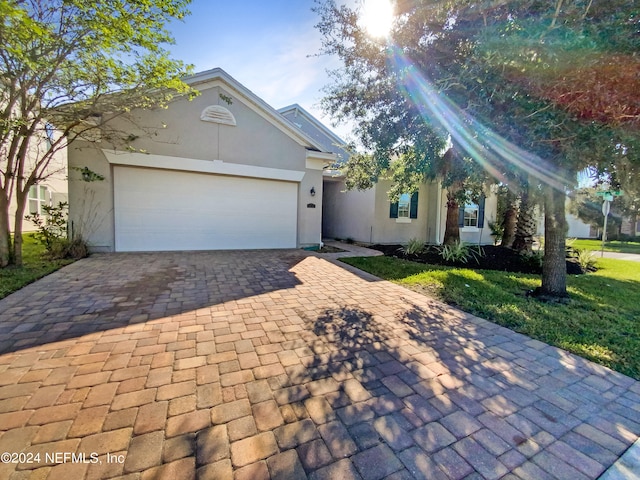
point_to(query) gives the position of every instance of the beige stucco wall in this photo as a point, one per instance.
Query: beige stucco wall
(364, 215)
(310, 218)
(392, 230)
(91, 203)
(475, 236)
(347, 214)
(178, 132)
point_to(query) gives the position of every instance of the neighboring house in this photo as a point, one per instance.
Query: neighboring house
(576, 228)
(50, 191)
(630, 227)
(370, 217)
(223, 171)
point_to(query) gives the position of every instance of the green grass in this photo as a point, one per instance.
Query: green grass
(614, 246)
(601, 323)
(34, 266)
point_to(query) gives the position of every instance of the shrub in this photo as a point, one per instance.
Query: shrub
(587, 260)
(534, 259)
(413, 247)
(52, 233)
(497, 231)
(460, 252)
(52, 226)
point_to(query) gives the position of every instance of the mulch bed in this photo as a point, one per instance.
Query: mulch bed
(494, 258)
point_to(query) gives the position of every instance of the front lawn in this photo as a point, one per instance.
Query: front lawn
(601, 323)
(613, 246)
(34, 266)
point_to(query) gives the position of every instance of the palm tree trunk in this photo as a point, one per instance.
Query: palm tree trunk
(526, 226)
(554, 268)
(452, 229)
(509, 222)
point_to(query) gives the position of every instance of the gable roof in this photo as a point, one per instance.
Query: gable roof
(332, 142)
(218, 77)
(296, 108)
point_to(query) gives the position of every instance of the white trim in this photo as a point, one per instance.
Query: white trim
(203, 166)
(337, 174)
(319, 160)
(327, 157)
(217, 77)
(469, 229)
(403, 220)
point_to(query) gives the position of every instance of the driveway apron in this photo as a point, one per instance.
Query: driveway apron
(286, 365)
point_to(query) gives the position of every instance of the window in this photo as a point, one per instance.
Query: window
(39, 195)
(471, 211)
(405, 208)
(471, 215)
(403, 205)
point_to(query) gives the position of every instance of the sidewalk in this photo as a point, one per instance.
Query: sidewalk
(618, 256)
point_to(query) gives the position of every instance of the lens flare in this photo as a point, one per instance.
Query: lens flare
(377, 17)
(486, 147)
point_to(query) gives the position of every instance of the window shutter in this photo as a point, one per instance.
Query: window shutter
(481, 212)
(461, 217)
(413, 211)
(393, 210)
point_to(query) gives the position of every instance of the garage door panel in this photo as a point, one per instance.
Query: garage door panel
(169, 210)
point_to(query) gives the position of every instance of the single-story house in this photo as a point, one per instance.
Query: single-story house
(370, 217)
(222, 171)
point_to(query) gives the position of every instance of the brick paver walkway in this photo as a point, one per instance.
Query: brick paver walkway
(255, 365)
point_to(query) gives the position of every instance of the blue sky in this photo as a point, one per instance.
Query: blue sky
(264, 44)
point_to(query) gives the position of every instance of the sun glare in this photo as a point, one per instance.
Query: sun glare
(377, 17)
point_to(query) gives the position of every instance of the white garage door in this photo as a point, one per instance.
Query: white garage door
(170, 210)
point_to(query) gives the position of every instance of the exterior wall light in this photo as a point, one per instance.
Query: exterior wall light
(313, 191)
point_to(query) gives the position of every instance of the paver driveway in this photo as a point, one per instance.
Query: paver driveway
(252, 365)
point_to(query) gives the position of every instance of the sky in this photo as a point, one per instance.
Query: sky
(269, 46)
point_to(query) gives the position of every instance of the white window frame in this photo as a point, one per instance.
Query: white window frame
(471, 207)
(42, 197)
(404, 208)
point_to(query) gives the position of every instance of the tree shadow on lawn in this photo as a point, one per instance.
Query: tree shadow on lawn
(111, 291)
(600, 327)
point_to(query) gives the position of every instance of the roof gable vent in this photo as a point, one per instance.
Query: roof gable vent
(218, 114)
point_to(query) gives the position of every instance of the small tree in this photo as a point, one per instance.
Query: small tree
(66, 63)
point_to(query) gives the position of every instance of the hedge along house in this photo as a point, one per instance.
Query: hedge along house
(222, 171)
(370, 217)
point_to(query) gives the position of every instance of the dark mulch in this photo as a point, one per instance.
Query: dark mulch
(494, 258)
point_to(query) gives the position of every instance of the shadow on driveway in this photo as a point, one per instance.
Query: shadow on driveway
(108, 291)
